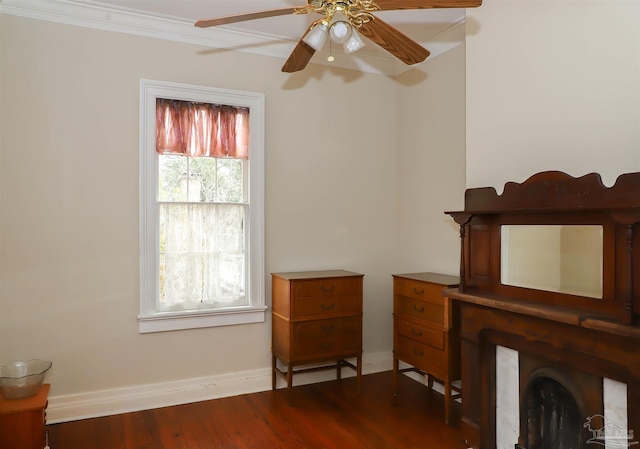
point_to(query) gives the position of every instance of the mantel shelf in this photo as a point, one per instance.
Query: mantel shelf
(566, 315)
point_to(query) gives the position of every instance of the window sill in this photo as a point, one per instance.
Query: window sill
(162, 322)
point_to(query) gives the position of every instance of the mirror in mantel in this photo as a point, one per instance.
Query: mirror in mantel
(555, 258)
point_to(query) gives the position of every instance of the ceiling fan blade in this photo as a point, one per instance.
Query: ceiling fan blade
(299, 57)
(386, 5)
(242, 17)
(392, 40)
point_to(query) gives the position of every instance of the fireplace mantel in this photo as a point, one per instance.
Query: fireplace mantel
(574, 317)
(573, 334)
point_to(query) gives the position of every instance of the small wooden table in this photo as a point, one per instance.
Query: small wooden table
(22, 421)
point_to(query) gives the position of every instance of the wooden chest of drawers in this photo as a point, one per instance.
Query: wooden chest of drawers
(316, 319)
(426, 331)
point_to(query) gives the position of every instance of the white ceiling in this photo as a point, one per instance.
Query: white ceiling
(438, 30)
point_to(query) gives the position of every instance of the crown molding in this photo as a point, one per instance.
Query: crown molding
(90, 14)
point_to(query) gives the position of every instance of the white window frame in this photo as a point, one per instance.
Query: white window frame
(149, 319)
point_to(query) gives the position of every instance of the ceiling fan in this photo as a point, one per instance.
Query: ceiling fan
(342, 21)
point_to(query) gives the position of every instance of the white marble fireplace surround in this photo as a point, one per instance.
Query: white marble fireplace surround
(508, 415)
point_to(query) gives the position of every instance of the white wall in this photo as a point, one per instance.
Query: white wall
(431, 150)
(552, 85)
(69, 205)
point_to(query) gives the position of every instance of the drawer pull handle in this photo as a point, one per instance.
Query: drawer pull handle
(418, 292)
(328, 329)
(416, 332)
(418, 352)
(418, 309)
(327, 289)
(329, 307)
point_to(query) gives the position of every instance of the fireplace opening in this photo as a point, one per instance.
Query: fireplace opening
(555, 401)
(553, 417)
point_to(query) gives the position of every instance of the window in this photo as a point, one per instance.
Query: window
(201, 207)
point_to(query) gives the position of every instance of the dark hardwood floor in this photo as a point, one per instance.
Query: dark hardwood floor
(328, 415)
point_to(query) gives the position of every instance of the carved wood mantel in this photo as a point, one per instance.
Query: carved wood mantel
(599, 336)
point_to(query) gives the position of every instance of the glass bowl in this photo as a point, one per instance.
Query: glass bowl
(22, 379)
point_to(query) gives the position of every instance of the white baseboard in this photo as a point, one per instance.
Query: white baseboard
(144, 397)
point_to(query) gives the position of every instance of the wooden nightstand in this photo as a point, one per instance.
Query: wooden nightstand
(426, 331)
(317, 318)
(22, 421)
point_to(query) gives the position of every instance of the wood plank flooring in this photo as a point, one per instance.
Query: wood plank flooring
(328, 415)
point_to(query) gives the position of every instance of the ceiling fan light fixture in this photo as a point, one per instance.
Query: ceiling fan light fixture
(354, 43)
(317, 36)
(340, 31)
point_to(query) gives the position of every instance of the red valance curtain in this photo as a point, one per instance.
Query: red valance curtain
(201, 129)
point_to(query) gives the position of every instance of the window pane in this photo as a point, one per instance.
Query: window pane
(202, 175)
(230, 180)
(172, 178)
(200, 179)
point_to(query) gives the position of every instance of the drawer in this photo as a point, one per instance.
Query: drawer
(319, 329)
(422, 356)
(319, 288)
(333, 347)
(419, 310)
(422, 291)
(328, 306)
(429, 336)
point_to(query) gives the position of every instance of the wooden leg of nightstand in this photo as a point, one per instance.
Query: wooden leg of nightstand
(447, 401)
(396, 368)
(289, 380)
(274, 360)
